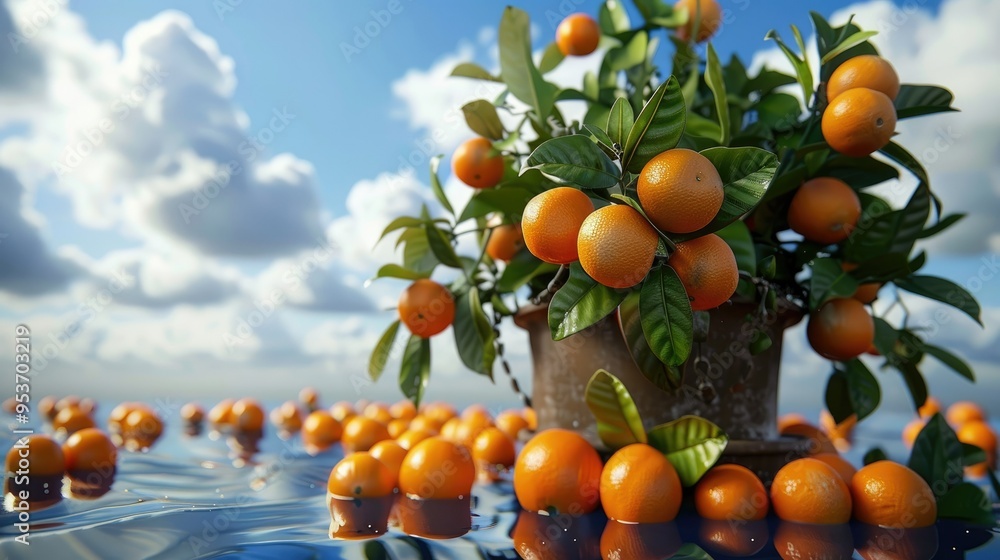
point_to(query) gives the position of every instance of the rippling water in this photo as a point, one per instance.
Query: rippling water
(203, 496)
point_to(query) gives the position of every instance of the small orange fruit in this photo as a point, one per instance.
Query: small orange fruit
(792, 418)
(867, 292)
(888, 494)
(468, 429)
(578, 35)
(867, 71)
(222, 413)
(391, 454)
(439, 412)
(437, 468)
(428, 424)
(817, 439)
(844, 430)
(477, 164)
(980, 434)
(730, 491)
(841, 329)
(379, 412)
(342, 411)
(192, 413)
(90, 450)
(492, 450)
(248, 415)
(410, 438)
(476, 411)
(680, 191)
(930, 407)
(361, 433)
(511, 422)
(551, 224)
(824, 210)
(397, 427)
(711, 19)
(47, 406)
(707, 268)
(504, 242)
(360, 475)
(639, 485)
(41, 456)
(450, 429)
(403, 410)
(143, 424)
(530, 417)
(810, 491)
(558, 470)
(287, 417)
(617, 245)
(426, 308)
(309, 397)
(964, 411)
(321, 430)
(843, 467)
(859, 121)
(72, 419)
(88, 405)
(912, 430)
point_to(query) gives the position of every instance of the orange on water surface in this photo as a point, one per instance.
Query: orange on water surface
(397, 427)
(143, 424)
(342, 411)
(309, 397)
(248, 415)
(824, 210)
(707, 268)
(379, 412)
(391, 454)
(731, 538)
(640, 541)
(71, 419)
(287, 417)
(477, 164)
(492, 449)
(843, 467)
(222, 413)
(42, 456)
(616, 246)
(426, 308)
(321, 430)
(980, 434)
(731, 492)
(90, 450)
(680, 191)
(577, 35)
(867, 71)
(711, 19)
(412, 437)
(361, 433)
(859, 121)
(810, 491)
(888, 494)
(558, 470)
(841, 329)
(964, 411)
(360, 475)
(551, 224)
(504, 242)
(192, 413)
(437, 468)
(511, 422)
(403, 410)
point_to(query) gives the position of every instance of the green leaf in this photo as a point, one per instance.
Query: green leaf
(474, 71)
(880, 232)
(760, 342)
(874, 455)
(438, 242)
(829, 281)
(943, 290)
(937, 455)
(716, 83)
(618, 421)
(667, 378)
(517, 68)
(915, 382)
(767, 81)
(633, 53)
(739, 239)
(950, 360)
(551, 58)
(847, 44)
(657, 128)
(520, 270)
(838, 399)
(899, 154)
(436, 184)
(972, 455)
(580, 302)
(574, 160)
(380, 355)
(620, 121)
(508, 199)
(481, 116)
(825, 37)
(967, 502)
(860, 173)
(417, 253)
(800, 65)
(994, 482)
(746, 174)
(416, 368)
(474, 334)
(613, 18)
(941, 225)
(400, 223)
(692, 444)
(862, 388)
(915, 101)
(396, 271)
(665, 313)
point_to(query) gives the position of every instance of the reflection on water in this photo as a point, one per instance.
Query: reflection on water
(207, 494)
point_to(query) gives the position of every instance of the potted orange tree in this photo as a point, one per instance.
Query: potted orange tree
(656, 251)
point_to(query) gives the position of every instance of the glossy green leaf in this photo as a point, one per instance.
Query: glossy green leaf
(800, 65)
(941, 225)
(874, 455)
(580, 302)
(880, 233)
(482, 118)
(937, 454)
(739, 239)
(380, 355)
(967, 502)
(400, 223)
(918, 100)
(474, 334)
(632, 53)
(436, 184)
(859, 172)
(574, 160)
(613, 18)
(847, 44)
(692, 444)
(915, 382)
(829, 281)
(620, 121)
(516, 66)
(551, 58)
(618, 420)
(943, 290)
(438, 242)
(899, 154)
(415, 369)
(667, 378)
(474, 71)
(863, 389)
(657, 128)
(972, 455)
(957, 364)
(396, 271)
(665, 313)
(716, 83)
(417, 253)
(520, 270)
(509, 200)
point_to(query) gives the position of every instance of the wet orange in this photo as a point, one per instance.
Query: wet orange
(711, 19)
(71, 419)
(577, 35)
(410, 438)
(426, 308)
(841, 329)
(403, 410)
(391, 454)
(558, 470)
(511, 422)
(287, 417)
(707, 268)
(680, 191)
(859, 121)
(810, 491)
(437, 468)
(222, 413)
(888, 494)
(639, 485)
(192, 413)
(342, 411)
(90, 450)
(440, 412)
(616, 246)
(825, 210)
(248, 415)
(361, 433)
(397, 426)
(426, 424)
(468, 429)
(360, 475)
(731, 492)
(321, 430)
(867, 71)
(41, 454)
(477, 164)
(379, 412)
(450, 429)
(493, 449)
(143, 424)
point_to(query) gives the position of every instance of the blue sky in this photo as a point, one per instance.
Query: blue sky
(328, 176)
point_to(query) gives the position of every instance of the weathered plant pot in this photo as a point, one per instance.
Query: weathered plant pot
(722, 382)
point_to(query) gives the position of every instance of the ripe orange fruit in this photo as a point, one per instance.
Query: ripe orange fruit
(71, 419)
(468, 429)
(790, 419)
(531, 417)
(192, 413)
(391, 454)
(144, 425)
(504, 242)
(824, 210)
(439, 413)
(558, 470)
(42, 457)
(437, 468)
(397, 427)
(426, 424)
(930, 407)
(680, 190)
(360, 475)
(342, 411)
(866, 71)
(221, 414)
(450, 429)
(426, 308)
(309, 397)
(841, 329)
(617, 246)
(412, 437)
(551, 224)
(361, 433)
(711, 19)
(844, 430)
(866, 293)
(477, 164)
(493, 450)
(707, 268)
(912, 430)
(578, 35)
(804, 541)
(287, 417)
(511, 422)
(728, 492)
(248, 415)
(964, 411)
(379, 412)
(888, 494)
(810, 491)
(859, 121)
(90, 450)
(639, 485)
(843, 467)
(980, 434)
(321, 430)
(403, 410)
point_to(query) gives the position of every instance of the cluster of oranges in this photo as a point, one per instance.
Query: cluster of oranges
(860, 118)
(969, 421)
